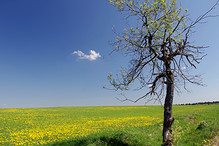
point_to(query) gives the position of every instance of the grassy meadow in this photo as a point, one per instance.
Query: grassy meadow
(119, 125)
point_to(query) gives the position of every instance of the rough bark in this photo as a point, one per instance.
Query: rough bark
(168, 120)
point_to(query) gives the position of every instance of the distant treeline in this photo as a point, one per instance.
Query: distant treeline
(213, 102)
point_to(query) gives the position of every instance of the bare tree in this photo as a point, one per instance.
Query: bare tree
(161, 52)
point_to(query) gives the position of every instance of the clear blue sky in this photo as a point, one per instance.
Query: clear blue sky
(38, 67)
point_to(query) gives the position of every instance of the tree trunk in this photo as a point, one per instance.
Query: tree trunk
(168, 120)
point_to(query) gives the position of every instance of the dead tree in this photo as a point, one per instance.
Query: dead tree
(160, 50)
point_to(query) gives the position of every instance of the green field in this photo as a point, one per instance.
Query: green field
(129, 125)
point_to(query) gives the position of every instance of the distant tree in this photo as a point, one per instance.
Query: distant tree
(160, 51)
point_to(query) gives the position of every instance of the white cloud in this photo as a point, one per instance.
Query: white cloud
(92, 56)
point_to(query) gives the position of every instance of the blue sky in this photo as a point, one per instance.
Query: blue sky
(38, 67)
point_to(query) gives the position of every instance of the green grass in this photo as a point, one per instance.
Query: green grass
(132, 125)
(194, 125)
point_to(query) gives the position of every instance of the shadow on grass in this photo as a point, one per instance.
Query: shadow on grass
(115, 139)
